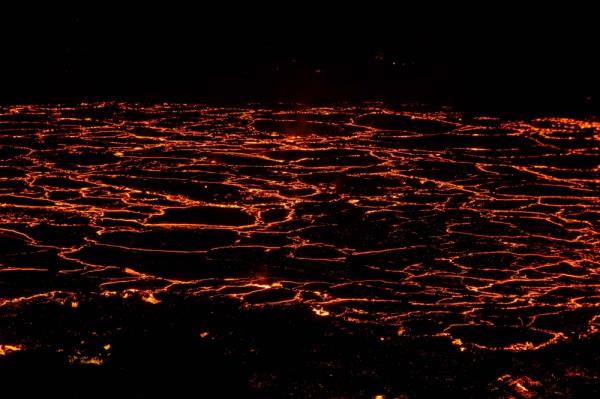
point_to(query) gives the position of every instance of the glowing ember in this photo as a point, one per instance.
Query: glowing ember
(6, 349)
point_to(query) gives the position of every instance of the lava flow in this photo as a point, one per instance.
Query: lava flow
(477, 231)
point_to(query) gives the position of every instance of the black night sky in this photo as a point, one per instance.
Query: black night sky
(492, 59)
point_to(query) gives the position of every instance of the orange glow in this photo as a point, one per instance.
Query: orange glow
(6, 349)
(90, 360)
(320, 312)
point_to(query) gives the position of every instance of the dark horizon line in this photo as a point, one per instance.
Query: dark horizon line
(518, 110)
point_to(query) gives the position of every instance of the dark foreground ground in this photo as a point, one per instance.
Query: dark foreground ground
(158, 351)
(188, 251)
